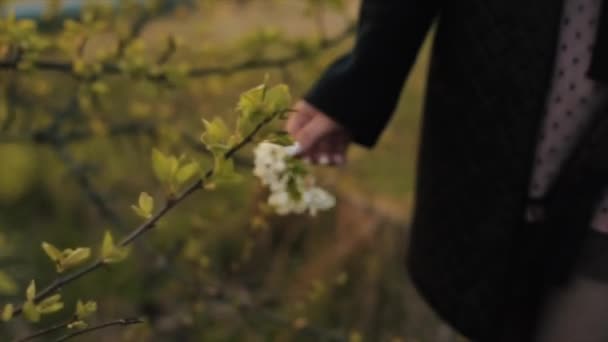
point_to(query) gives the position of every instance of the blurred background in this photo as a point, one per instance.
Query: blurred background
(88, 88)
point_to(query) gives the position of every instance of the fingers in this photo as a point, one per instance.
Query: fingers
(330, 150)
(322, 153)
(320, 139)
(340, 147)
(313, 131)
(303, 114)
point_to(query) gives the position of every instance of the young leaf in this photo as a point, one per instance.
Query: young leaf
(74, 258)
(145, 206)
(30, 311)
(107, 245)
(52, 251)
(83, 310)
(146, 202)
(117, 255)
(216, 133)
(161, 165)
(7, 312)
(78, 325)
(186, 172)
(250, 102)
(278, 99)
(30, 292)
(50, 305)
(111, 253)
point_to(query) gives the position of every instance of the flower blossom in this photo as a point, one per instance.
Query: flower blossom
(291, 192)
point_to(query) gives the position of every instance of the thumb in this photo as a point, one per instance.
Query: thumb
(316, 129)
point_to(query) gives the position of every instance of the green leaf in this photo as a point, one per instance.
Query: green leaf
(162, 166)
(78, 325)
(111, 253)
(7, 312)
(278, 99)
(145, 205)
(107, 245)
(50, 305)
(53, 252)
(216, 133)
(173, 166)
(146, 202)
(67, 258)
(7, 284)
(186, 172)
(30, 312)
(84, 310)
(117, 255)
(73, 258)
(251, 102)
(30, 292)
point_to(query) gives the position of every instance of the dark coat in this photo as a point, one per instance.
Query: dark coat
(471, 255)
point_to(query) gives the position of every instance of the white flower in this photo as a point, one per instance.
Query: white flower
(293, 149)
(271, 167)
(284, 204)
(318, 199)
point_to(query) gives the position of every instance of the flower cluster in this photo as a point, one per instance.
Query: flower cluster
(292, 187)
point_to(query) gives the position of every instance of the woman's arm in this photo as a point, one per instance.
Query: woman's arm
(360, 90)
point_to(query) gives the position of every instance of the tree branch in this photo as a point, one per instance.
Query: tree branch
(59, 283)
(45, 331)
(248, 65)
(119, 322)
(80, 176)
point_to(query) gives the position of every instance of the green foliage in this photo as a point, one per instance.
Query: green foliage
(257, 104)
(145, 206)
(83, 311)
(33, 311)
(110, 252)
(68, 258)
(86, 309)
(216, 136)
(171, 171)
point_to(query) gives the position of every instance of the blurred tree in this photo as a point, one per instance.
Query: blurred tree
(87, 89)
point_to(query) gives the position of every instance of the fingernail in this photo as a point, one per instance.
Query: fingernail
(294, 149)
(324, 159)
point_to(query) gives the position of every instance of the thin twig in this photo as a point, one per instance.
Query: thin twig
(85, 183)
(47, 137)
(135, 32)
(45, 331)
(119, 322)
(169, 51)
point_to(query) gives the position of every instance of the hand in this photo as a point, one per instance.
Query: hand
(321, 139)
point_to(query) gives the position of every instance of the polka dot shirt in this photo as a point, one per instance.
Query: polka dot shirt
(572, 101)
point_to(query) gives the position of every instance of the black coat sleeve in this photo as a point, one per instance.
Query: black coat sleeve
(361, 89)
(599, 63)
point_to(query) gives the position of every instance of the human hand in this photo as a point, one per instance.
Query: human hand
(321, 139)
